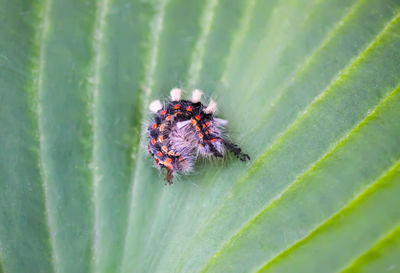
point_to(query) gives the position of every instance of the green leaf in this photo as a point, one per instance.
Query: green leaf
(311, 90)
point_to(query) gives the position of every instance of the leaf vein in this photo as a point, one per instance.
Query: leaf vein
(156, 30)
(102, 9)
(326, 222)
(331, 34)
(384, 238)
(239, 38)
(42, 35)
(198, 51)
(325, 41)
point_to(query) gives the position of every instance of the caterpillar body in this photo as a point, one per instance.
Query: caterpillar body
(184, 129)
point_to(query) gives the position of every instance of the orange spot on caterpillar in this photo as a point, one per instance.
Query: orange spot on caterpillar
(163, 112)
(159, 153)
(165, 150)
(168, 165)
(208, 123)
(213, 140)
(204, 126)
(193, 121)
(171, 153)
(160, 138)
(189, 108)
(177, 106)
(153, 141)
(169, 160)
(197, 117)
(201, 135)
(162, 127)
(197, 128)
(154, 126)
(168, 118)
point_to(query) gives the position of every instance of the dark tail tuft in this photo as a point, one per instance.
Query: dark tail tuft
(236, 151)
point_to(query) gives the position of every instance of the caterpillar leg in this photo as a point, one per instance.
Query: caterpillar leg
(169, 176)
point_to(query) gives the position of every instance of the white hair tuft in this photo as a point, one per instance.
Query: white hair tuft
(196, 95)
(155, 105)
(221, 122)
(211, 108)
(176, 94)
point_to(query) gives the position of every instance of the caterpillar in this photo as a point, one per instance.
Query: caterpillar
(183, 129)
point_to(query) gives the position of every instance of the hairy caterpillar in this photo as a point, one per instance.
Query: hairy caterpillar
(183, 129)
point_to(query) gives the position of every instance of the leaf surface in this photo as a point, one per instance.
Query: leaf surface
(311, 92)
